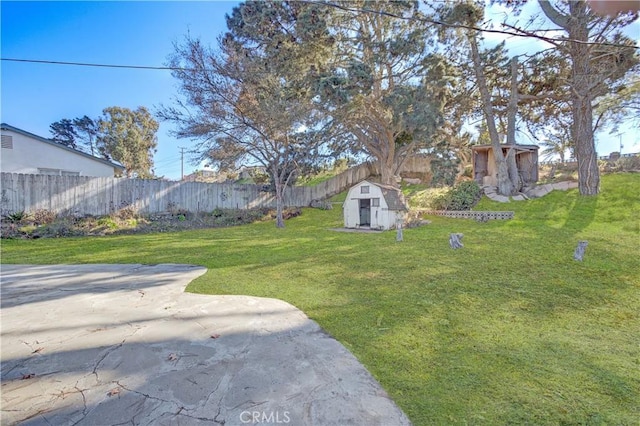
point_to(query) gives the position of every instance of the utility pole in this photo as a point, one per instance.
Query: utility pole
(620, 136)
(181, 162)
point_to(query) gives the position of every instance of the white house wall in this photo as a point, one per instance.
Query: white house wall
(28, 155)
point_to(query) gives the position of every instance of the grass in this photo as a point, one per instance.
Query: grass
(508, 330)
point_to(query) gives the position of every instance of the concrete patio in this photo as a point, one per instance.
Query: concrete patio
(123, 344)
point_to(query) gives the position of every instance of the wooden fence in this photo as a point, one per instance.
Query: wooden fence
(81, 195)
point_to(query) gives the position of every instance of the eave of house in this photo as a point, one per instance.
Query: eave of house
(10, 128)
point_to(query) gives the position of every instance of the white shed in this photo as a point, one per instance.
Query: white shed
(372, 205)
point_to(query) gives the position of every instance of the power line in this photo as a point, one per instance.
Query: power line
(87, 64)
(518, 33)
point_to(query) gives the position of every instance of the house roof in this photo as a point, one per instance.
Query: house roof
(5, 126)
(392, 195)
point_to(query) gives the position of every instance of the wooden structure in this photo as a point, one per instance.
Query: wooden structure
(485, 171)
(375, 206)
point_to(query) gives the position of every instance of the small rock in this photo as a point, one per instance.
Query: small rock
(412, 181)
(561, 186)
(500, 198)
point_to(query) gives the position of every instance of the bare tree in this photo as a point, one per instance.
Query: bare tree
(243, 109)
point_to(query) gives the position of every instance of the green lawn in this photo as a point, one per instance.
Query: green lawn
(508, 330)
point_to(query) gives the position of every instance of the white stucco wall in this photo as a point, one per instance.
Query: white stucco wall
(29, 154)
(381, 216)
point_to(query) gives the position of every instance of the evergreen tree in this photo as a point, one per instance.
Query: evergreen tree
(64, 133)
(129, 137)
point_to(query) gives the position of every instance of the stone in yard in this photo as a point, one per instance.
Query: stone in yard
(412, 181)
(519, 197)
(561, 186)
(490, 190)
(500, 198)
(540, 191)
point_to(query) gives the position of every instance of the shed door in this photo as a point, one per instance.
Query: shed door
(365, 212)
(481, 165)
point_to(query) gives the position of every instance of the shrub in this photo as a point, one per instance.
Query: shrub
(28, 229)
(180, 212)
(126, 212)
(44, 216)
(627, 164)
(429, 198)
(61, 228)
(16, 217)
(464, 195)
(441, 201)
(107, 222)
(445, 169)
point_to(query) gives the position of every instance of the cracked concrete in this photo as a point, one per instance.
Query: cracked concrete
(123, 344)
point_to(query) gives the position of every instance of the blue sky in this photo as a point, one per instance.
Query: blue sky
(129, 33)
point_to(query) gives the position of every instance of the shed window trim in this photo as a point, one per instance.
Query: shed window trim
(364, 189)
(375, 202)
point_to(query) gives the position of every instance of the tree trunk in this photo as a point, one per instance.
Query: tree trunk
(512, 110)
(279, 206)
(580, 249)
(277, 179)
(512, 166)
(581, 103)
(505, 187)
(387, 171)
(588, 173)
(455, 241)
(576, 23)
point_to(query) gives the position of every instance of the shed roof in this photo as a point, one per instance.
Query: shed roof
(392, 195)
(518, 147)
(5, 126)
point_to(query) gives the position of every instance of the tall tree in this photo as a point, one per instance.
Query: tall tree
(80, 133)
(86, 130)
(599, 55)
(469, 14)
(129, 137)
(621, 104)
(245, 102)
(64, 133)
(381, 80)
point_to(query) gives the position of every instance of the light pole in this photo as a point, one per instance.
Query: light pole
(620, 140)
